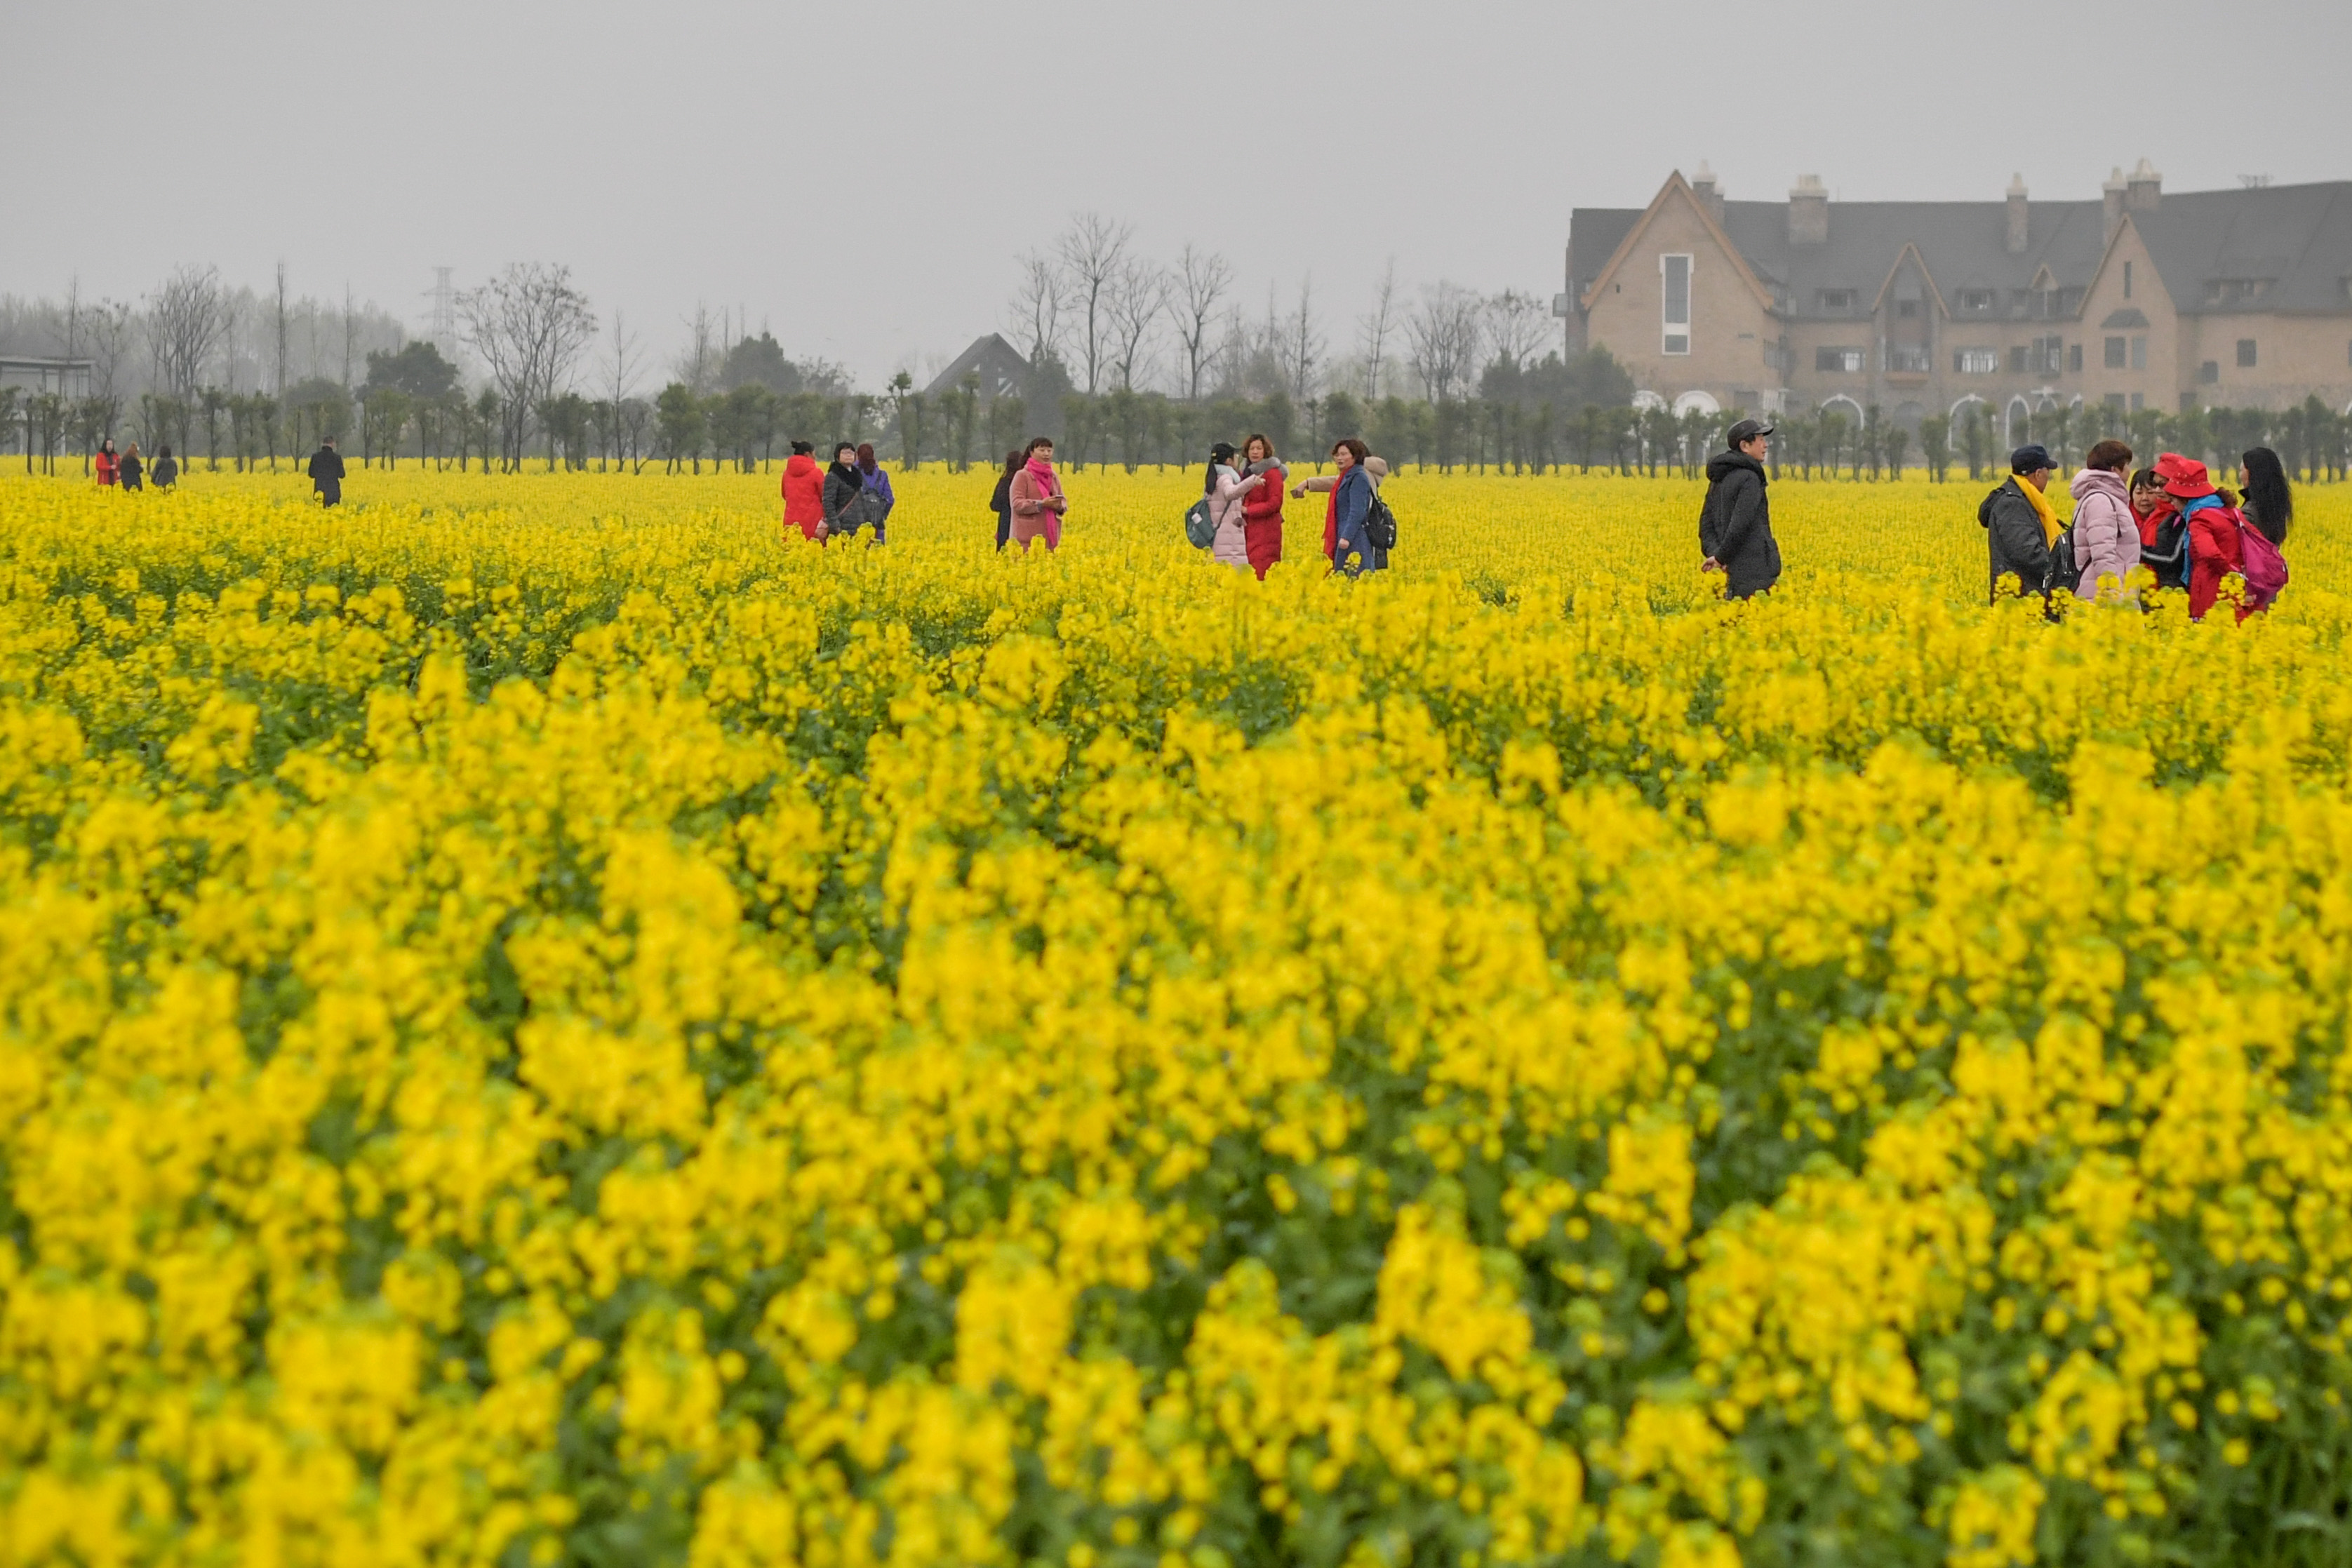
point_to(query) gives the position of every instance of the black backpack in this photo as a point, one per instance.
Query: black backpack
(1379, 523)
(2064, 571)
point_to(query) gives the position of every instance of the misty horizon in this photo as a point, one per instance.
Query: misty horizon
(860, 188)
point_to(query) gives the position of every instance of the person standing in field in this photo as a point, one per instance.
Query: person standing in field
(1735, 523)
(1262, 506)
(131, 471)
(804, 492)
(1223, 488)
(2107, 534)
(104, 462)
(843, 497)
(2163, 536)
(2020, 528)
(880, 500)
(2217, 544)
(1038, 504)
(326, 472)
(1328, 486)
(2268, 504)
(1353, 552)
(167, 467)
(1000, 503)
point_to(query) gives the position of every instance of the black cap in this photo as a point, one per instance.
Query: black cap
(2029, 460)
(1747, 430)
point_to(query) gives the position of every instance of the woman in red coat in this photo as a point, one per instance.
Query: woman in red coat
(1262, 508)
(804, 492)
(105, 461)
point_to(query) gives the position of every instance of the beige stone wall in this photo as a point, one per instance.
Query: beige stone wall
(2294, 356)
(2160, 382)
(1730, 330)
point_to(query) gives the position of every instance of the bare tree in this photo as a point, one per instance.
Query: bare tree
(1094, 253)
(1202, 278)
(279, 331)
(1138, 296)
(350, 332)
(1517, 325)
(187, 316)
(1301, 344)
(698, 364)
(1034, 314)
(1376, 326)
(620, 376)
(73, 317)
(1442, 334)
(111, 328)
(529, 325)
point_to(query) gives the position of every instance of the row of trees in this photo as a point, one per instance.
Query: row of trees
(1107, 317)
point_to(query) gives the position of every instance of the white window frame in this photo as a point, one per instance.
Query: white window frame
(1667, 336)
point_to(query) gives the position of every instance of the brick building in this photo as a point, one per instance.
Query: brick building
(2238, 298)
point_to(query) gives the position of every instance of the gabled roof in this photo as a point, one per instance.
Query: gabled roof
(1676, 189)
(1912, 251)
(1002, 369)
(2296, 239)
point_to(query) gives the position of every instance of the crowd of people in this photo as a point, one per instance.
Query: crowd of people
(2170, 517)
(128, 471)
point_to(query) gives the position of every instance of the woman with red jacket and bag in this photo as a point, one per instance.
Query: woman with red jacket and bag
(804, 492)
(105, 461)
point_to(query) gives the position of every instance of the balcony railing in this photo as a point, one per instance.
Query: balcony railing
(1908, 359)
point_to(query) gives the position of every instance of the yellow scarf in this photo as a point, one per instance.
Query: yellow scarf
(2050, 528)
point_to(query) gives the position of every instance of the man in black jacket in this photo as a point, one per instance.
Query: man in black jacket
(326, 472)
(1734, 525)
(2013, 523)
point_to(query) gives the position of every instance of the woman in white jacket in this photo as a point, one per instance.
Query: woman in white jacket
(2107, 535)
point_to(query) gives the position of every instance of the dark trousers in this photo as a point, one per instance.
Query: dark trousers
(330, 492)
(1004, 529)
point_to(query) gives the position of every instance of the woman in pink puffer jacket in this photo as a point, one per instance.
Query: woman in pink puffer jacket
(2106, 537)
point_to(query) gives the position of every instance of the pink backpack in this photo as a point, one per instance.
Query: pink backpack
(2261, 565)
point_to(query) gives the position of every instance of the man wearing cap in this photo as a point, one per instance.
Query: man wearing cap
(1734, 525)
(2019, 524)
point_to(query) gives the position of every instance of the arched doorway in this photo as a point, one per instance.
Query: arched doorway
(1703, 401)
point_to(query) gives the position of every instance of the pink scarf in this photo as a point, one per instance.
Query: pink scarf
(1047, 486)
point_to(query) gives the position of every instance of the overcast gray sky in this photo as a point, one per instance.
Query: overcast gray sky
(862, 176)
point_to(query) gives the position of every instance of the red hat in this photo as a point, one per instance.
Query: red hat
(2184, 477)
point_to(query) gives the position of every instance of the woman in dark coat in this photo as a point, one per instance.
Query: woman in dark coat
(1000, 503)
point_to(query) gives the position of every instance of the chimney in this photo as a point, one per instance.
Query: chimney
(1809, 212)
(2145, 189)
(2016, 215)
(1709, 194)
(2112, 199)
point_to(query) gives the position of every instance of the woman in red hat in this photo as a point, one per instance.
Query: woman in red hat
(2214, 550)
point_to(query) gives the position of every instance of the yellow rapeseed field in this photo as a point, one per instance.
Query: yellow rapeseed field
(545, 1024)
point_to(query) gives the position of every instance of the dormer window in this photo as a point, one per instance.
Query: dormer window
(1976, 300)
(1835, 298)
(1907, 309)
(2235, 290)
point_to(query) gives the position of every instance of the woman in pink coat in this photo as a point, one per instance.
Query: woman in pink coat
(1038, 504)
(2106, 535)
